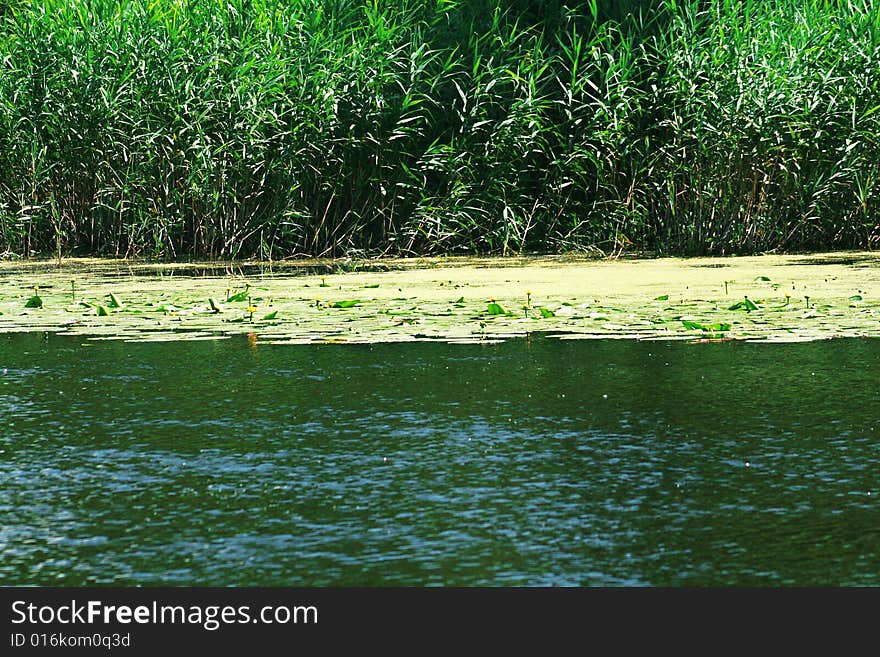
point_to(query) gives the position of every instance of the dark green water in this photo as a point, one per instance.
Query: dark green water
(541, 462)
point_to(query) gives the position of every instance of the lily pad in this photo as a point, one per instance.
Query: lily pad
(746, 304)
(495, 309)
(240, 296)
(717, 327)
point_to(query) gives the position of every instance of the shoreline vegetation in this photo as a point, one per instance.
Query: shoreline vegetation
(450, 299)
(201, 129)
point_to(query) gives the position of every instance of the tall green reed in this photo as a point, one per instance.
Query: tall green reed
(261, 128)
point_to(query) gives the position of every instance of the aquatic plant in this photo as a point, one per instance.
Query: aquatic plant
(34, 301)
(285, 309)
(239, 296)
(746, 304)
(494, 308)
(329, 127)
(717, 327)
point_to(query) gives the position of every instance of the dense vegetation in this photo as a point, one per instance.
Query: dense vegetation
(270, 128)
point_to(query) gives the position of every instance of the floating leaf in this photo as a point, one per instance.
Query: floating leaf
(662, 297)
(459, 300)
(856, 297)
(241, 296)
(717, 327)
(271, 315)
(546, 312)
(214, 305)
(495, 309)
(763, 278)
(102, 311)
(746, 304)
(115, 302)
(349, 303)
(34, 302)
(374, 285)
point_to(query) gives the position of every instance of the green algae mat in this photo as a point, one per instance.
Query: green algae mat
(769, 297)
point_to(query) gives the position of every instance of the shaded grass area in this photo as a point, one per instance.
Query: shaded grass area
(452, 299)
(268, 129)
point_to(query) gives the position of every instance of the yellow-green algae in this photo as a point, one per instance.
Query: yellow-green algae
(798, 297)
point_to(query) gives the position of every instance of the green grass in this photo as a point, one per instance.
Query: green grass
(261, 128)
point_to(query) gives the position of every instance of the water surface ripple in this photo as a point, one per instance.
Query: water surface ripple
(532, 462)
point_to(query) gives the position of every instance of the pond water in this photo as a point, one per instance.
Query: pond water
(530, 462)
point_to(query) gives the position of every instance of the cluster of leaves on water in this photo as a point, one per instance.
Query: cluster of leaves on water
(405, 307)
